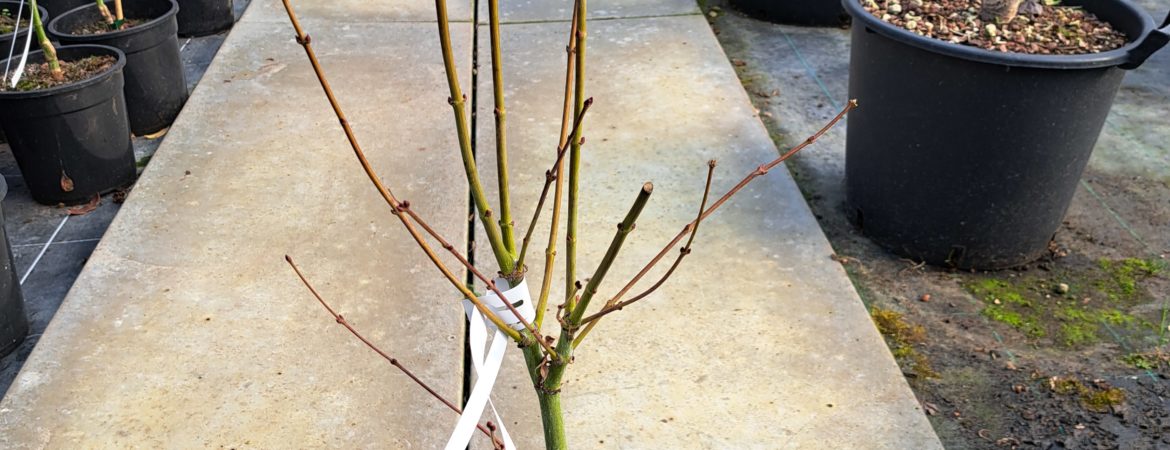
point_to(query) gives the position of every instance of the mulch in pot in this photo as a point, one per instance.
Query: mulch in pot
(38, 76)
(1037, 29)
(101, 27)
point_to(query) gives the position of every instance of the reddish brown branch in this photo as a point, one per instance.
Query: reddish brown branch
(549, 176)
(693, 229)
(550, 251)
(759, 171)
(491, 284)
(395, 206)
(393, 361)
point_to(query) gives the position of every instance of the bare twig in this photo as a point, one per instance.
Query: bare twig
(549, 176)
(550, 251)
(623, 229)
(491, 284)
(759, 171)
(395, 206)
(393, 361)
(591, 321)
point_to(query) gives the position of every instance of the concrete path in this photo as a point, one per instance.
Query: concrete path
(187, 330)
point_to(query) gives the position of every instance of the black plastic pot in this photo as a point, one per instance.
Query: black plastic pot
(204, 17)
(795, 12)
(967, 157)
(13, 321)
(155, 87)
(8, 39)
(58, 7)
(77, 131)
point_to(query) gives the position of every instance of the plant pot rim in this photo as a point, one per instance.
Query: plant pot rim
(23, 32)
(119, 63)
(1115, 57)
(140, 28)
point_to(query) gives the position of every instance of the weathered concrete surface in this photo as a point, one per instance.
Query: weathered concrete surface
(759, 341)
(358, 11)
(187, 329)
(550, 10)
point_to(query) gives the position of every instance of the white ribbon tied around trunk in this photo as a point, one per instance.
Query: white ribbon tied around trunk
(487, 367)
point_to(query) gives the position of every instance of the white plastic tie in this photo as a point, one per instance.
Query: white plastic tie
(487, 367)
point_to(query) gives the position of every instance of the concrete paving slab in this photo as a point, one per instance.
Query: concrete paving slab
(760, 340)
(562, 10)
(32, 225)
(186, 329)
(358, 11)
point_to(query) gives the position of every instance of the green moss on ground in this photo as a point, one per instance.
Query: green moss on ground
(1123, 276)
(1065, 312)
(901, 336)
(1098, 398)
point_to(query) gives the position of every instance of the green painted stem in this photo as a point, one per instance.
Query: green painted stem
(506, 225)
(499, 249)
(575, 158)
(615, 246)
(553, 421)
(556, 369)
(43, 40)
(551, 416)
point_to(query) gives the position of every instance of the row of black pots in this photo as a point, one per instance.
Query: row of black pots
(13, 41)
(155, 86)
(73, 141)
(969, 158)
(196, 17)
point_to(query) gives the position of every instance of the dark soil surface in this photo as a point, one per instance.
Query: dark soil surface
(101, 27)
(38, 76)
(1055, 30)
(8, 23)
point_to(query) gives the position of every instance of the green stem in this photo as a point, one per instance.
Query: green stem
(575, 157)
(550, 251)
(615, 246)
(499, 249)
(556, 367)
(550, 403)
(553, 420)
(46, 46)
(105, 12)
(501, 131)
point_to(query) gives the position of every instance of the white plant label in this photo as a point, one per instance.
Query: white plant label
(487, 367)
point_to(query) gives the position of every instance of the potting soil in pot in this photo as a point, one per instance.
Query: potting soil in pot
(1036, 29)
(38, 76)
(100, 27)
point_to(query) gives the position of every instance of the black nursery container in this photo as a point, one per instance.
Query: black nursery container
(965, 157)
(76, 134)
(795, 12)
(155, 87)
(58, 7)
(13, 321)
(204, 17)
(8, 39)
